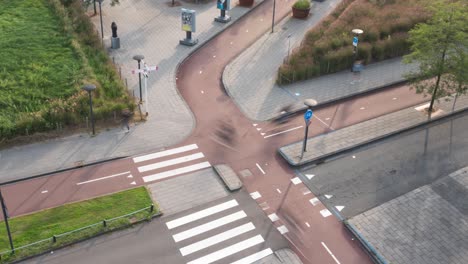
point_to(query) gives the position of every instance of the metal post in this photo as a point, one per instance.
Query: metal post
(5, 217)
(354, 56)
(289, 46)
(91, 110)
(223, 13)
(304, 145)
(139, 81)
(94, 2)
(100, 14)
(273, 17)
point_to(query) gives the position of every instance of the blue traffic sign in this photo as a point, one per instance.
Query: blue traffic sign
(355, 41)
(308, 115)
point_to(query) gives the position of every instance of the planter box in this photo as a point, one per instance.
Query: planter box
(300, 13)
(246, 2)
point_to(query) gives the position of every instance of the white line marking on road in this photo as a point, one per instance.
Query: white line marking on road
(264, 206)
(422, 107)
(201, 214)
(325, 213)
(394, 98)
(331, 254)
(297, 94)
(209, 226)
(254, 257)
(278, 190)
(339, 208)
(260, 168)
(216, 239)
(354, 157)
(259, 128)
(328, 196)
(326, 119)
(307, 224)
(171, 162)
(202, 92)
(362, 108)
(227, 251)
(314, 201)
(262, 134)
(130, 176)
(282, 132)
(282, 229)
(321, 121)
(133, 183)
(214, 56)
(103, 178)
(165, 153)
(247, 31)
(309, 176)
(255, 195)
(273, 217)
(201, 72)
(45, 191)
(305, 191)
(177, 171)
(254, 125)
(296, 180)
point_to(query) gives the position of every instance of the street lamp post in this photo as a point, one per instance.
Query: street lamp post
(5, 217)
(273, 17)
(356, 33)
(308, 115)
(89, 88)
(100, 15)
(139, 58)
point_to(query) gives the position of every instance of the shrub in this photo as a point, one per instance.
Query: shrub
(302, 4)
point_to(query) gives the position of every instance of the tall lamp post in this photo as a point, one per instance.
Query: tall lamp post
(89, 88)
(139, 58)
(5, 217)
(356, 33)
(100, 15)
(308, 115)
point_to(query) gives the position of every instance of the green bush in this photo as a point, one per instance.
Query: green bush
(302, 4)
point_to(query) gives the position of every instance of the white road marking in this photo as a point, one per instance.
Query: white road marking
(133, 183)
(246, 30)
(202, 92)
(331, 254)
(258, 128)
(309, 176)
(282, 132)
(201, 214)
(45, 191)
(278, 190)
(305, 191)
(422, 107)
(103, 178)
(171, 162)
(260, 168)
(282, 229)
(262, 134)
(165, 153)
(325, 213)
(326, 119)
(254, 125)
(296, 180)
(321, 121)
(297, 94)
(362, 108)
(254, 257)
(130, 176)
(264, 206)
(273, 217)
(216, 239)
(178, 171)
(339, 208)
(227, 251)
(214, 56)
(354, 157)
(307, 224)
(201, 72)
(255, 195)
(394, 98)
(314, 201)
(209, 226)
(328, 196)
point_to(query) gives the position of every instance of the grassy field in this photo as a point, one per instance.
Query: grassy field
(43, 225)
(48, 51)
(38, 62)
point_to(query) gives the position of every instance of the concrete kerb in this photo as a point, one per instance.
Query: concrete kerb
(325, 157)
(370, 250)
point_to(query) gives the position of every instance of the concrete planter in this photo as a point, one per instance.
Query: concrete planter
(300, 13)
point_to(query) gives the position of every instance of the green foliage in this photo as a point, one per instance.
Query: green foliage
(328, 46)
(302, 4)
(440, 47)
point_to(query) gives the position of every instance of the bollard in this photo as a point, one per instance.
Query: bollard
(54, 238)
(104, 222)
(152, 208)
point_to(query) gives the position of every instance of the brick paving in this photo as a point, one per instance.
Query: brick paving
(428, 225)
(326, 145)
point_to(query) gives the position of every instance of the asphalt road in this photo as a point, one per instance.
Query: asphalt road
(373, 175)
(154, 242)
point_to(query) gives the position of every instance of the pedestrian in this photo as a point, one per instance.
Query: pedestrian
(126, 114)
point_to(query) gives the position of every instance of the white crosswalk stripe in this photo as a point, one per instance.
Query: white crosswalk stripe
(163, 164)
(217, 232)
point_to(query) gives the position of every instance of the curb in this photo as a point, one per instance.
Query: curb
(323, 158)
(370, 250)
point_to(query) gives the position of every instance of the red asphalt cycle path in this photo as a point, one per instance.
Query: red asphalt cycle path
(247, 149)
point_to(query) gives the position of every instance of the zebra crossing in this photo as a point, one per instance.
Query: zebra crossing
(221, 233)
(172, 162)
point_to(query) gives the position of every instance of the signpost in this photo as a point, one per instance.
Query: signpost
(307, 116)
(223, 5)
(145, 71)
(356, 33)
(188, 25)
(355, 41)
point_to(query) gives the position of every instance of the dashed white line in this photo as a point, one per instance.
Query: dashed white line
(296, 180)
(314, 201)
(282, 132)
(255, 195)
(283, 229)
(273, 217)
(331, 254)
(325, 213)
(307, 224)
(278, 190)
(260, 168)
(45, 191)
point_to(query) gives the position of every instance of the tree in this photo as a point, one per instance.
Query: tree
(439, 47)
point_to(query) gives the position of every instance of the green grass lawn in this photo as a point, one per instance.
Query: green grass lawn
(42, 225)
(37, 59)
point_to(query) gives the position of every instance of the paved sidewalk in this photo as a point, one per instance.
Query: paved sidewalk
(326, 145)
(428, 225)
(150, 28)
(250, 78)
